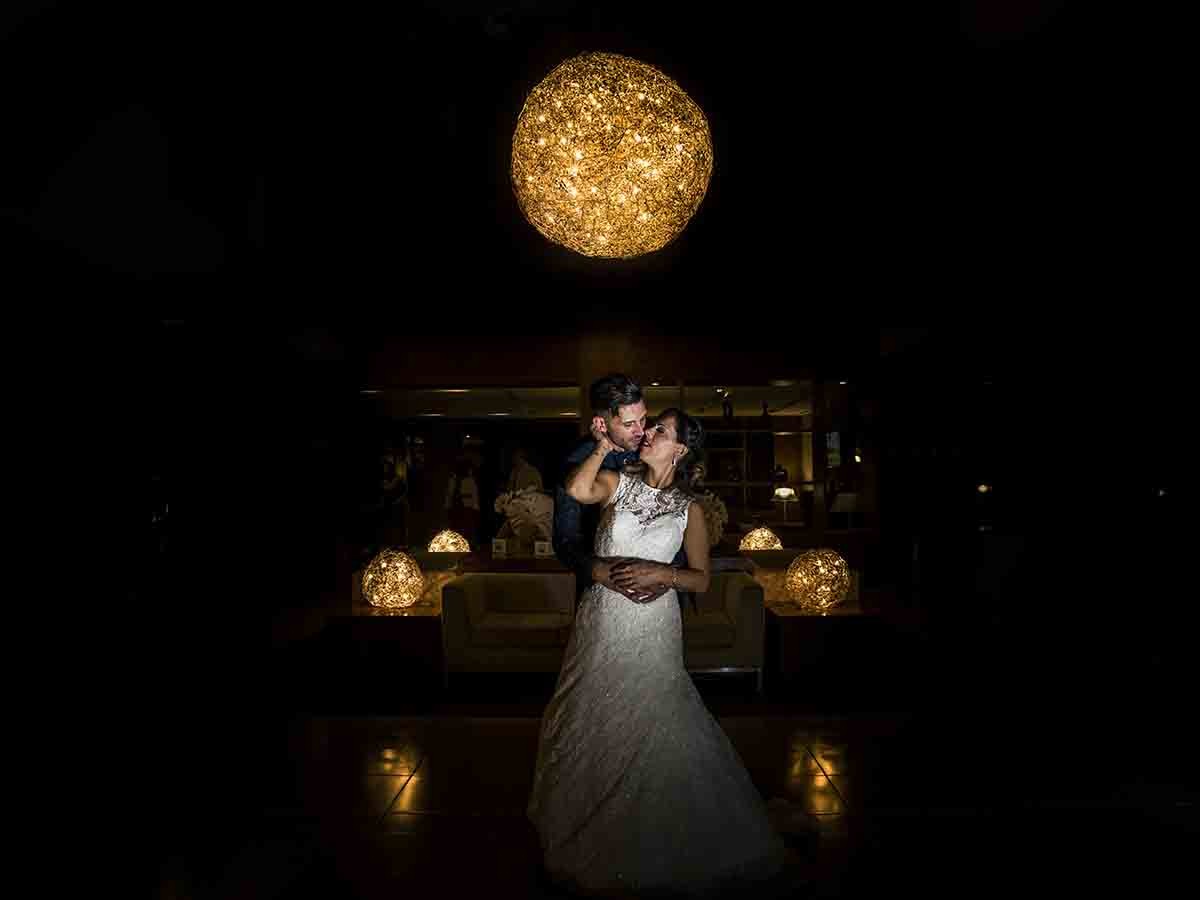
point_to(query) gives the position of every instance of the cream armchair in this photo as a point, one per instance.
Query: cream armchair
(507, 621)
(726, 632)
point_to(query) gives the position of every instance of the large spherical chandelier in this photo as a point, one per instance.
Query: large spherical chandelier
(761, 539)
(392, 580)
(817, 580)
(610, 157)
(448, 541)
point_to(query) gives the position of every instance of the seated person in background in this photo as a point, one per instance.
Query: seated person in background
(462, 501)
(523, 475)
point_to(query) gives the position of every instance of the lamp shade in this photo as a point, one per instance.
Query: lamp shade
(817, 580)
(449, 542)
(392, 580)
(610, 157)
(761, 539)
(785, 493)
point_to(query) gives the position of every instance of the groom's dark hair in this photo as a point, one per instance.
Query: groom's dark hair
(610, 393)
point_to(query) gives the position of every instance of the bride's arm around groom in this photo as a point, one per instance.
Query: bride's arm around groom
(642, 579)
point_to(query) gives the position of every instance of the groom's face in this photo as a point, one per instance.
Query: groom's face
(626, 428)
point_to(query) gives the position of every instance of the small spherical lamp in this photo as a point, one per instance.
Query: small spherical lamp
(449, 542)
(761, 539)
(610, 157)
(817, 580)
(392, 580)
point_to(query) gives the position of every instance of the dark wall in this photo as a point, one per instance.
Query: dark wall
(1064, 590)
(242, 445)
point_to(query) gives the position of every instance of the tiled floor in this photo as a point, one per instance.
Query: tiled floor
(433, 805)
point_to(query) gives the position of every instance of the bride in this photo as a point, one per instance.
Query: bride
(637, 790)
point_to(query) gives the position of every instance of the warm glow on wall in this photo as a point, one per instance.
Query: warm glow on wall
(610, 157)
(761, 539)
(449, 542)
(818, 580)
(392, 580)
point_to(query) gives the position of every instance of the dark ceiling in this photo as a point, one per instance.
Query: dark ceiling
(924, 159)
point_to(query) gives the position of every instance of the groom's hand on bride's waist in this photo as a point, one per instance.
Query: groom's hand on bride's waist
(639, 579)
(602, 573)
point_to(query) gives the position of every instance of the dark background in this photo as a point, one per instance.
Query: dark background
(1005, 174)
(991, 156)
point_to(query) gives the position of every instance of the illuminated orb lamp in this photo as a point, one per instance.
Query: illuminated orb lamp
(817, 580)
(449, 542)
(761, 539)
(610, 157)
(785, 493)
(392, 580)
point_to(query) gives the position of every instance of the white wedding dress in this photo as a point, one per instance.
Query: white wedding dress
(637, 790)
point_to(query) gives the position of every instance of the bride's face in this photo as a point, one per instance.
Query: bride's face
(661, 446)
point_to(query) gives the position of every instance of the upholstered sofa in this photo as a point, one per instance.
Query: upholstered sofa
(507, 621)
(521, 622)
(725, 631)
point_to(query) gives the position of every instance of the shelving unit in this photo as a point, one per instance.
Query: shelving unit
(749, 445)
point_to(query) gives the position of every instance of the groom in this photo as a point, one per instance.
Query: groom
(617, 404)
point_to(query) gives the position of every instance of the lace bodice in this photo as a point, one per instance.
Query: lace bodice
(643, 521)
